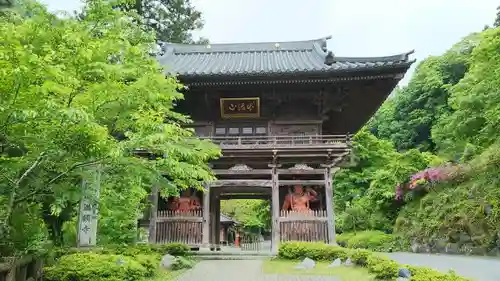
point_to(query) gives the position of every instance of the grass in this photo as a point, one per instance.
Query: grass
(166, 275)
(343, 273)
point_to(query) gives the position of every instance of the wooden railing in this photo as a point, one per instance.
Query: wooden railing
(279, 141)
(24, 269)
(303, 226)
(179, 227)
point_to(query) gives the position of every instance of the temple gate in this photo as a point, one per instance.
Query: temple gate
(283, 114)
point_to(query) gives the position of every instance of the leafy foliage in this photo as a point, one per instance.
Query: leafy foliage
(364, 197)
(172, 20)
(80, 94)
(92, 266)
(381, 266)
(252, 214)
(408, 117)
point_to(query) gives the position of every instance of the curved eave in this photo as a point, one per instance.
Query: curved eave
(395, 71)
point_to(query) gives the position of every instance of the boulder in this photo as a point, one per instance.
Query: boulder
(307, 263)
(167, 261)
(348, 262)
(335, 263)
(404, 273)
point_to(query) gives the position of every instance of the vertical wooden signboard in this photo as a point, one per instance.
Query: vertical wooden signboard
(89, 211)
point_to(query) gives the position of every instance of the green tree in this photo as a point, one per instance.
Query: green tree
(496, 23)
(172, 20)
(75, 93)
(475, 121)
(364, 194)
(407, 118)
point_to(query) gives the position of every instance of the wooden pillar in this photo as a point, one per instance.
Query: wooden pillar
(213, 210)
(206, 217)
(329, 205)
(275, 211)
(153, 214)
(217, 222)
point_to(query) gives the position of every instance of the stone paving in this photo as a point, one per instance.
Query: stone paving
(477, 268)
(241, 270)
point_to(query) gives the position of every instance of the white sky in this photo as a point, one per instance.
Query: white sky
(358, 27)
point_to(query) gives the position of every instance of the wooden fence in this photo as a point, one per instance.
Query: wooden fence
(303, 226)
(24, 269)
(179, 227)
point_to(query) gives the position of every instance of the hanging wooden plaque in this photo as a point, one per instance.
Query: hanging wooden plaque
(240, 107)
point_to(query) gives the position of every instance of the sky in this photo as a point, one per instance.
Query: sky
(358, 27)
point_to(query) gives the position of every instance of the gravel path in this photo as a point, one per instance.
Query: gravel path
(241, 270)
(478, 268)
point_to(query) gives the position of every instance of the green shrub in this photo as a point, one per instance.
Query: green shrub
(182, 263)
(371, 239)
(315, 251)
(96, 267)
(382, 267)
(360, 256)
(174, 249)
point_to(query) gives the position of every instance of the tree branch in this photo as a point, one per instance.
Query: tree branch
(28, 171)
(43, 192)
(16, 184)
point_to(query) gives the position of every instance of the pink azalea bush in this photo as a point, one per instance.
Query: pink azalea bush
(427, 176)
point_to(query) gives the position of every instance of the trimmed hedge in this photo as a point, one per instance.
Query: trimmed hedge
(380, 266)
(370, 239)
(135, 262)
(97, 267)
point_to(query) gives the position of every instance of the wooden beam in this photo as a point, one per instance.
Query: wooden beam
(329, 206)
(180, 218)
(243, 196)
(300, 172)
(241, 183)
(275, 211)
(153, 215)
(301, 182)
(311, 218)
(206, 217)
(238, 172)
(246, 189)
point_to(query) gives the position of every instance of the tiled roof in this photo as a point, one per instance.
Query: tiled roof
(226, 218)
(254, 59)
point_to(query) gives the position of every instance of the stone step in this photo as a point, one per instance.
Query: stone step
(232, 257)
(232, 253)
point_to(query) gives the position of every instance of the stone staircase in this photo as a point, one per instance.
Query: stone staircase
(228, 253)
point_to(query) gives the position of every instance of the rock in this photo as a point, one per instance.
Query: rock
(452, 248)
(478, 251)
(464, 238)
(167, 261)
(402, 279)
(487, 209)
(415, 247)
(404, 272)
(120, 261)
(335, 263)
(307, 263)
(348, 262)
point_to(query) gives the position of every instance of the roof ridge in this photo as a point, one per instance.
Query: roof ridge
(252, 43)
(308, 45)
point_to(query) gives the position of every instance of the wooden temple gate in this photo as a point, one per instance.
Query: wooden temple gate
(283, 117)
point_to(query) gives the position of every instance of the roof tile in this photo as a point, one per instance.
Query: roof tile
(256, 59)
